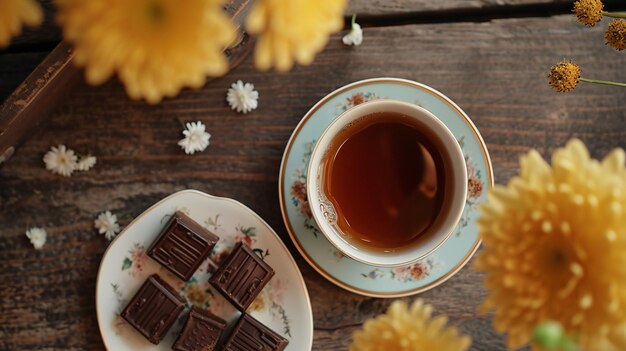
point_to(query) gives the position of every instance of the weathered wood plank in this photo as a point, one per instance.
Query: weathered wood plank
(35, 97)
(495, 71)
(14, 68)
(394, 6)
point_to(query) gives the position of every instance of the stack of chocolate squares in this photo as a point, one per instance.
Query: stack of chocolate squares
(181, 247)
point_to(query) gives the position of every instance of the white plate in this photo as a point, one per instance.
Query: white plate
(283, 305)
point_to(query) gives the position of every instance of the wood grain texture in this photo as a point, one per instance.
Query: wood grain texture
(495, 71)
(14, 68)
(395, 6)
(36, 96)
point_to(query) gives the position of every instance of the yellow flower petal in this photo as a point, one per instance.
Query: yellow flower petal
(407, 328)
(16, 13)
(614, 161)
(553, 246)
(292, 31)
(156, 47)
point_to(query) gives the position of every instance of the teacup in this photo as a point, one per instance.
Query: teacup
(453, 174)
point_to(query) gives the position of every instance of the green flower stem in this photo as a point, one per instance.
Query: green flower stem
(605, 82)
(614, 14)
(353, 20)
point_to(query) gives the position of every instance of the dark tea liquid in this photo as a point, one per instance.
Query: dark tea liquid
(385, 179)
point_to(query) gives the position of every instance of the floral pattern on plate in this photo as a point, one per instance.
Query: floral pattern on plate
(321, 254)
(283, 303)
(134, 263)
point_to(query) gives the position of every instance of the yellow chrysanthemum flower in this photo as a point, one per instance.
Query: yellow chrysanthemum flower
(554, 244)
(405, 328)
(16, 13)
(156, 47)
(294, 30)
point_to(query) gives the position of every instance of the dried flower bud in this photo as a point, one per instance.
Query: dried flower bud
(616, 34)
(589, 12)
(564, 76)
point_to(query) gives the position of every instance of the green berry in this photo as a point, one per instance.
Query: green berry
(548, 335)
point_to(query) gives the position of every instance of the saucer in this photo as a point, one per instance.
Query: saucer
(283, 305)
(343, 271)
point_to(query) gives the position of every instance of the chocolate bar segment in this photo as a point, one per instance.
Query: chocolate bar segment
(242, 276)
(252, 335)
(153, 309)
(202, 331)
(182, 246)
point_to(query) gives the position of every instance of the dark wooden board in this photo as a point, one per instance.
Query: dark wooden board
(394, 6)
(25, 109)
(495, 71)
(14, 68)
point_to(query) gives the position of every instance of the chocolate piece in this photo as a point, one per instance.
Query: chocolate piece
(182, 246)
(154, 309)
(242, 276)
(201, 332)
(250, 334)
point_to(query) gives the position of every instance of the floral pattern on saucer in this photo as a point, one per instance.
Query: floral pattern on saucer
(475, 186)
(356, 98)
(410, 273)
(298, 193)
(359, 277)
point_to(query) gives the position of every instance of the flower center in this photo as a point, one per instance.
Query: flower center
(555, 262)
(559, 258)
(242, 97)
(155, 13)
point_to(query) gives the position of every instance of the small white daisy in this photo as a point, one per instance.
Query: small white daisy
(196, 138)
(355, 36)
(106, 224)
(37, 237)
(60, 160)
(86, 163)
(242, 97)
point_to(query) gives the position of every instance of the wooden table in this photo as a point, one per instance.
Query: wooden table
(492, 59)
